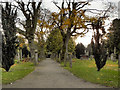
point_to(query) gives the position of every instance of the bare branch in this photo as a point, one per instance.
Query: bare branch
(38, 7)
(82, 33)
(20, 31)
(73, 30)
(82, 6)
(57, 5)
(28, 8)
(94, 10)
(107, 10)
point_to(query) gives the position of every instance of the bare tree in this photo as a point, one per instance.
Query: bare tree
(98, 42)
(31, 14)
(71, 22)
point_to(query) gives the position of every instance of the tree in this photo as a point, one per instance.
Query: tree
(71, 46)
(9, 37)
(113, 37)
(54, 41)
(31, 14)
(97, 42)
(25, 52)
(70, 20)
(80, 50)
(41, 32)
(21, 41)
(55, 44)
(98, 45)
(89, 49)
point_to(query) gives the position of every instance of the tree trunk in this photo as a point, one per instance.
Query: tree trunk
(0, 49)
(32, 50)
(66, 49)
(63, 52)
(70, 60)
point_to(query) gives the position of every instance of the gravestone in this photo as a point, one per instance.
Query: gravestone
(112, 56)
(20, 52)
(18, 55)
(36, 56)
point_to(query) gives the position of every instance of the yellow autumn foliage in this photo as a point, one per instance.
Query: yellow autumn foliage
(21, 45)
(39, 21)
(67, 22)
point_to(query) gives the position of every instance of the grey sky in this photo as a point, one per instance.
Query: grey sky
(97, 4)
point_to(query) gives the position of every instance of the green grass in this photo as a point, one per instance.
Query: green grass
(17, 71)
(86, 69)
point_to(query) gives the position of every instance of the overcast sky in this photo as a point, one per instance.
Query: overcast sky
(97, 4)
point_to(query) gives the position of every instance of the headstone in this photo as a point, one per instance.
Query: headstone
(18, 55)
(112, 56)
(36, 56)
(114, 59)
(108, 57)
(20, 52)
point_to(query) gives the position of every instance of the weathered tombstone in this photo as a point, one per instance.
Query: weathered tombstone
(18, 56)
(108, 57)
(112, 56)
(20, 52)
(59, 58)
(36, 57)
(114, 59)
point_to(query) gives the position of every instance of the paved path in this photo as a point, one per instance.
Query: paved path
(49, 74)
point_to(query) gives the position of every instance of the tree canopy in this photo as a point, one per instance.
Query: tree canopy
(80, 50)
(113, 37)
(9, 38)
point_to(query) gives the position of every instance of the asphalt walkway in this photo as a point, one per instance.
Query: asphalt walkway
(49, 74)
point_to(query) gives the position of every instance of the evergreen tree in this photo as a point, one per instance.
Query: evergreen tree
(80, 50)
(9, 45)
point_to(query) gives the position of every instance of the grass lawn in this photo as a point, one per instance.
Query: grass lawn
(86, 69)
(17, 71)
